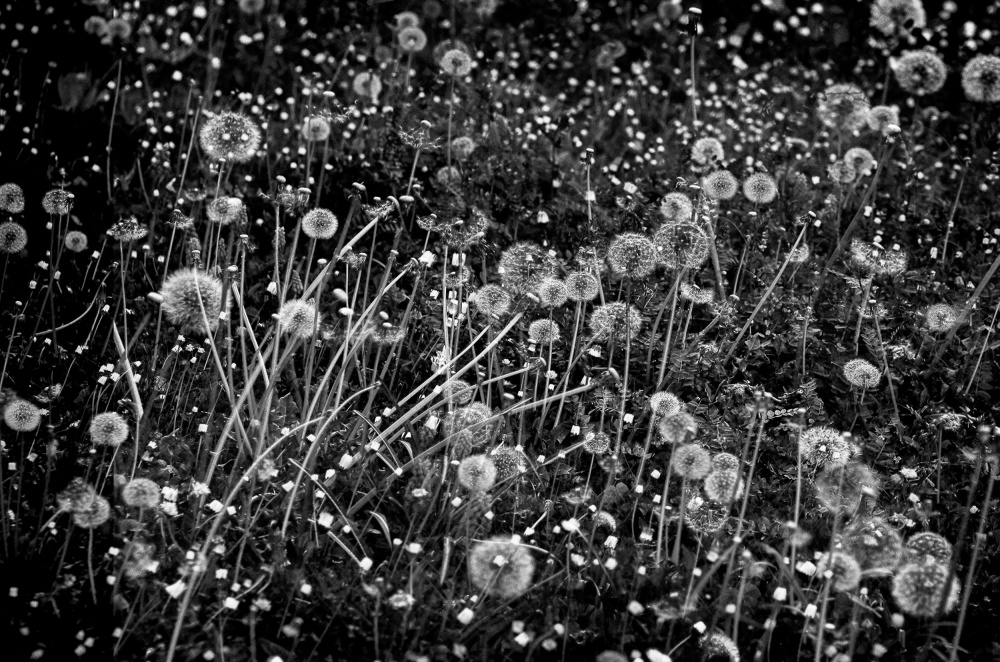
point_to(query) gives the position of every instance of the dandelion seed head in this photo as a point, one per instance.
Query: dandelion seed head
(185, 293)
(251, 7)
(298, 318)
(842, 172)
(615, 322)
(891, 263)
(179, 221)
(697, 295)
(582, 286)
(446, 45)
(840, 487)
(880, 118)
(543, 331)
(552, 292)
(597, 443)
(463, 147)
(20, 415)
(468, 427)
(891, 17)
(108, 429)
(726, 462)
(940, 317)
(981, 79)
(458, 391)
(664, 403)
(477, 473)
(920, 72)
(706, 517)
(706, 151)
(367, 85)
(718, 645)
(117, 28)
(676, 207)
(845, 570)
(864, 255)
(720, 185)
(11, 198)
(128, 229)
(501, 567)
(632, 255)
(96, 25)
(407, 19)
(822, 445)
(861, 159)
(797, 536)
(723, 486)
(75, 241)
(799, 254)
(862, 374)
(669, 10)
(448, 176)
(411, 39)
(676, 428)
(759, 188)
(13, 237)
(605, 520)
(925, 544)
(843, 107)
(230, 136)
(873, 543)
(76, 497)
(919, 589)
(681, 245)
(456, 63)
(492, 300)
(692, 461)
(57, 202)
(224, 210)
(320, 224)
(316, 128)
(141, 493)
(507, 461)
(94, 514)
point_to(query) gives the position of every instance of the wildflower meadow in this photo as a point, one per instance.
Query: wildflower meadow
(514, 330)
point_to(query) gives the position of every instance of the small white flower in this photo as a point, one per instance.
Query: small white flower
(807, 568)
(656, 656)
(175, 589)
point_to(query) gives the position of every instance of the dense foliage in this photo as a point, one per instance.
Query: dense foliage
(496, 329)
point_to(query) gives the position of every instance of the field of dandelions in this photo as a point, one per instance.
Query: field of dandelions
(444, 330)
